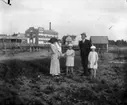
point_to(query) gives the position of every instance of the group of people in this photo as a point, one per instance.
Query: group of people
(88, 54)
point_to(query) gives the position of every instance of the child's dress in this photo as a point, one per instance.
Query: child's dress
(70, 57)
(92, 58)
(55, 64)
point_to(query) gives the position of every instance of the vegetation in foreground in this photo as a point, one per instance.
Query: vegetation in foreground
(28, 83)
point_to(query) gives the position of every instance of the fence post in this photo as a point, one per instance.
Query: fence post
(30, 48)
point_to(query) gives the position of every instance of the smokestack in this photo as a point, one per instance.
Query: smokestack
(49, 25)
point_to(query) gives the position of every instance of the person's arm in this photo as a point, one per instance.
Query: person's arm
(64, 54)
(96, 58)
(89, 57)
(80, 50)
(73, 54)
(79, 45)
(52, 49)
(58, 47)
(90, 44)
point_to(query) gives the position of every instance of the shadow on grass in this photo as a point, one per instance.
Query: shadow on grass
(13, 68)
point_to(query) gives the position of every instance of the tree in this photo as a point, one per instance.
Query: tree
(118, 42)
(64, 40)
(112, 42)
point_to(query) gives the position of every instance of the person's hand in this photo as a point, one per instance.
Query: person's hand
(71, 54)
(63, 55)
(89, 63)
(95, 63)
(58, 57)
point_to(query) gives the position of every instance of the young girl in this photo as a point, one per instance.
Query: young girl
(69, 54)
(92, 61)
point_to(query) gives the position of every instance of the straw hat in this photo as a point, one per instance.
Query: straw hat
(70, 45)
(93, 47)
(84, 34)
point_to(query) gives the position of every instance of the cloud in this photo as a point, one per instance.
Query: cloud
(106, 5)
(119, 29)
(67, 16)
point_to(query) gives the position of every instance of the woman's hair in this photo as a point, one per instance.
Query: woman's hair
(53, 40)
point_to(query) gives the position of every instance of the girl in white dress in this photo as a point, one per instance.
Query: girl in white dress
(93, 61)
(55, 64)
(69, 54)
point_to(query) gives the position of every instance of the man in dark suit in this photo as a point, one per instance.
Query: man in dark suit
(84, 46)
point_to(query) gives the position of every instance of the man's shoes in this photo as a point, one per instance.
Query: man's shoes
(84, 74)
(87, 74)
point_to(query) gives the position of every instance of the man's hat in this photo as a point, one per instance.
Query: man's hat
(83, 34)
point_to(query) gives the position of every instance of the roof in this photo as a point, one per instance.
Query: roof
(12, 37)
(72, 36)
(21, 35)
(31, 29)
(68, 38)
(42, 30)
(50, 32)
(2, 35)
(99, 39)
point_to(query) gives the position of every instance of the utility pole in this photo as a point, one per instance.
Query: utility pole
(7, 2)
(31, 40)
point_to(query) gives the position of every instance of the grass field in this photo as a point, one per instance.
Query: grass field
(27, 82)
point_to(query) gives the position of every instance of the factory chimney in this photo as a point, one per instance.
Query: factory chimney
(49, 25)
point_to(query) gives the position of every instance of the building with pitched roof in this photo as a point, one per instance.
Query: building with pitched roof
(3, 35)
(101, 42)
(68, 39)
(7, 41)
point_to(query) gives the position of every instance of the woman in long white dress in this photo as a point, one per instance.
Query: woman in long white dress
(55, 64)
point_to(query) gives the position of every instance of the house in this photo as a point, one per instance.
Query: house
(101, 42)
(68, 39)
(23, 37)
(7, 41)
(2, 37)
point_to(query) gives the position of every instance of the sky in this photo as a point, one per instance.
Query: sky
(95, 17)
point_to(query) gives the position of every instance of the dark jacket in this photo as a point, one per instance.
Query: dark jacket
(84, 48)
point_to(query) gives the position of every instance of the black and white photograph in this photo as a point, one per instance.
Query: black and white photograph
(63, 52)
